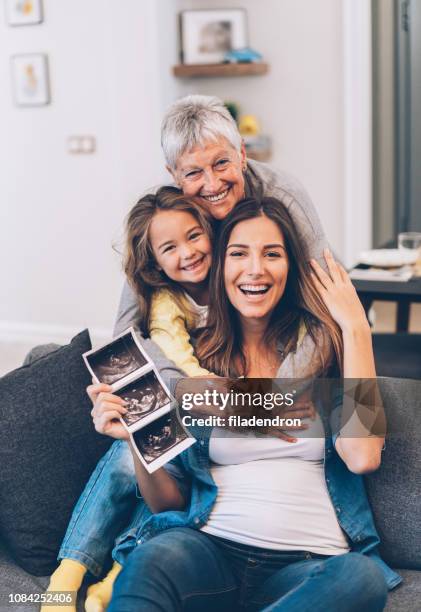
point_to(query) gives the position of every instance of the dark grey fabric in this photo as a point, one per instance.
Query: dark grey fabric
(14, 580)
(407, 596)
(40, 351)
(398, 355)
(48, 449)
(395, 489)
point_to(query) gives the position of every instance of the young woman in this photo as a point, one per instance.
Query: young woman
(256, 522)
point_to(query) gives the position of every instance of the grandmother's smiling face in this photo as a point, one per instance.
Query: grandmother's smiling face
(214, 172)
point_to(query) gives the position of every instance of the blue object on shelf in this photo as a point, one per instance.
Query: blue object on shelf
(245, 55)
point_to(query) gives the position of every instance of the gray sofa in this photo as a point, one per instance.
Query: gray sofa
(394, 491)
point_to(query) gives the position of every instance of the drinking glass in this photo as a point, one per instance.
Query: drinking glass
(409, 241)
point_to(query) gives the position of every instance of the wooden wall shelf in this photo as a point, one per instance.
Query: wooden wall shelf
(219, 70)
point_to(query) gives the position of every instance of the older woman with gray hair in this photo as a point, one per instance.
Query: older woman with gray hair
(206, 157)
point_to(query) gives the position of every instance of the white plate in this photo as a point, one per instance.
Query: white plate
(389, 258)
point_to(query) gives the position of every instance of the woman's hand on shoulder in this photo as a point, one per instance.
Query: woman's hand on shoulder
(107, 411)
(339, 294)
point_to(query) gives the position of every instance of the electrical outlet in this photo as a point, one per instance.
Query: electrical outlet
(81, 145)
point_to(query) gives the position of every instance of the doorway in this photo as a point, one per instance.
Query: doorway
(396, 30)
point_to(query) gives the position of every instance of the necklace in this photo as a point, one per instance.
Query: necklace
(265, 366)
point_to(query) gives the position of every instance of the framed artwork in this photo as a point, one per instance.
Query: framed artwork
(207, 35)
(23, 12)
(30, 79)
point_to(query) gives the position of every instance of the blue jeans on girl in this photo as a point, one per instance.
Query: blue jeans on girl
(104, 510)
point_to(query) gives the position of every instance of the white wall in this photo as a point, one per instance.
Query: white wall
(60, 213)
(299, 103)
(111, 77)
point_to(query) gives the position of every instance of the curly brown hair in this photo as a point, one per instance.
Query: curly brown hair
(139, 262)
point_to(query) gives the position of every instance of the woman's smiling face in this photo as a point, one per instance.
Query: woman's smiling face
(214, 173)
(256, 267)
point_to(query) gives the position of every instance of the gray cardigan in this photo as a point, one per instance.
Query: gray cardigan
(261, 180)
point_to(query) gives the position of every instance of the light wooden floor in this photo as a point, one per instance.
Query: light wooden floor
(13, 354)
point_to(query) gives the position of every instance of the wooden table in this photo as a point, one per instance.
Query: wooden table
(402, 293)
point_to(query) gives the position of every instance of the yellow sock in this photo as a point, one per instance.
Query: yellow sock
(67, 577)
(99, 594)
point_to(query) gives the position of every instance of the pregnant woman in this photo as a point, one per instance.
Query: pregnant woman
(257, 523)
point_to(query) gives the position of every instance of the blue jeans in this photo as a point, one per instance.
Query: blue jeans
(105, 508)
(185, 569)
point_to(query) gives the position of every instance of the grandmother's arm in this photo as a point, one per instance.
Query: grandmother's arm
(128, 313)
(290, 191)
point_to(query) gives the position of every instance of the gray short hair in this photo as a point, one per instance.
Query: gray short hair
(191, 121)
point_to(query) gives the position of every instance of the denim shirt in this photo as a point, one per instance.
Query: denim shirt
(191, 469)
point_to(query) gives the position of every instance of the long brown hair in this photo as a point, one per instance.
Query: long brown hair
(219, 346)
(139, 262)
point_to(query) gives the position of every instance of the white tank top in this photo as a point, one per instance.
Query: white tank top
(272, 494)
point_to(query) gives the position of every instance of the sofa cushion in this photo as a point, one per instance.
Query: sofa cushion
(398, 355)
(48, 449)
(407, 596)
(394, 490)
(15, 581)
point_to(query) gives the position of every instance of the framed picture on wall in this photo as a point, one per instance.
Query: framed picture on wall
(207, 35)
(23, 12)
(30, 79)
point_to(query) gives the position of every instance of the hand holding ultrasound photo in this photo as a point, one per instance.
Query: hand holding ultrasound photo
(151, 420)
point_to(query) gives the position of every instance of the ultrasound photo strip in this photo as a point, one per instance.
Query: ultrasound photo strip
(125, 365)
(161, 441)
(146, 399)
(119, 361)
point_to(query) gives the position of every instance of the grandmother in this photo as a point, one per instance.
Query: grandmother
(206, 157)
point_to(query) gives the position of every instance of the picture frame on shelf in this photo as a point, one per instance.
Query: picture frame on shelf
(208, 34)
(23, 12)
(30, 79)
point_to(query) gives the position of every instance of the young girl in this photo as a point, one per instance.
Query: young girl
(167, 262)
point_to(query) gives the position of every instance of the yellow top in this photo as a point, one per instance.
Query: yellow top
(170, 327)
(172, 319)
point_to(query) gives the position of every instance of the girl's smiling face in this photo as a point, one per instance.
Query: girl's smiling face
(181, 247)
(256, 267)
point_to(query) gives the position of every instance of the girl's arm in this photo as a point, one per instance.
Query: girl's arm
(361, 453)
(168, 329)
(159, 490)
